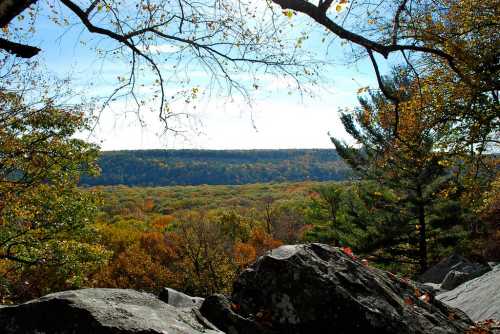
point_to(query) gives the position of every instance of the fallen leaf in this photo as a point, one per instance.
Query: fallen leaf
(348, 251)
(409, 301)
(426, 297)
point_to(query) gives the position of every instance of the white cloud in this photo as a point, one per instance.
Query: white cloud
(162, 48)
(221, 124)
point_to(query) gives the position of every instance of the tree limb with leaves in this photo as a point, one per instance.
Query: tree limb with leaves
(45, 219)
(221, 37)
(459, 37)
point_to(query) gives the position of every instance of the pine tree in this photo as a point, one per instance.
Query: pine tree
(398, 152)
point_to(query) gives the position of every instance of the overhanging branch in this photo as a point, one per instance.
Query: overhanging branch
(20, 50)
(9, 9)
(320, 16)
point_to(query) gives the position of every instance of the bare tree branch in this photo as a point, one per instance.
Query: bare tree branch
(324, 5)
(20, 50)
(320, 16)
(9, 9)
(392, 97)
(396, 22)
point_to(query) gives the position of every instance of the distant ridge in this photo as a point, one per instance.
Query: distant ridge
(195, 167)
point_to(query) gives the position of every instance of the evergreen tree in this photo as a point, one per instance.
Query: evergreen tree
(398, 152)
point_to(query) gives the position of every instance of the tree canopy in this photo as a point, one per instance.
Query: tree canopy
(444, 43)
(44, 217)
(417, 171)
(194, 167)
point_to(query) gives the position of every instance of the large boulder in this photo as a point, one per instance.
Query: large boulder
(478, 298)
(457, 268)
(316, 288)
(99, 311)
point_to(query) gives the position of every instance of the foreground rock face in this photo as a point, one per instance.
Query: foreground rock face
(99, 311)
(319, 289)
(478, 298)
(453, 271)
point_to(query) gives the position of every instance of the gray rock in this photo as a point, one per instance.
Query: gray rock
(438, 272)
(456, 277)
(316, 288)
(478, 298)
(434, 287)
(99, 311)
(179, 299)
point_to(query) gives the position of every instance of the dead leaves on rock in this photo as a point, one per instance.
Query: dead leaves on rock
(488, 326)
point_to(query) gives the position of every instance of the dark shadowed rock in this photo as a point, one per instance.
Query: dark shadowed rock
(454, 262)
(433, 287)
(179, 299)
(456, 277)
(318, 289)
(478, 298)
(99, 311)
(219, 309)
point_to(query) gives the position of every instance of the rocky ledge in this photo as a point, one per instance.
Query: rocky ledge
(100, 311)
(479, 298)
(293, 289)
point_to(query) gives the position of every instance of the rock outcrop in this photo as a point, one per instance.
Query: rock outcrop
(295, 289)
(453, 271)
(179, 299)
(100, 311)
(478, 298)
(319, 289)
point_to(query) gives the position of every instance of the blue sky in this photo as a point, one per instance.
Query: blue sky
(275, 119)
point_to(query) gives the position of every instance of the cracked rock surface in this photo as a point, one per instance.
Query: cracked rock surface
(478, 298)
(99, 311)
(316, 288)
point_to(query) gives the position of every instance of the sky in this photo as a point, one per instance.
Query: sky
(273, 120)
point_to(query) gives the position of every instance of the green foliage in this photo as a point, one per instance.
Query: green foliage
(44, 217)
(324, 214)
(334, 214)
(418, 186)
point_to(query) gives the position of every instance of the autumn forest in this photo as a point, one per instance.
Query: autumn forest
(415, 178)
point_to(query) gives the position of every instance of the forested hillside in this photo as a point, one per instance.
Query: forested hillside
(195, 167)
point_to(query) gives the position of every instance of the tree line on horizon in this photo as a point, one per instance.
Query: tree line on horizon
(196, 167)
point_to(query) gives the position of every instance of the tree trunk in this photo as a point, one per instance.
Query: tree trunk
(422, 247)
(269, 218)
(333, 219)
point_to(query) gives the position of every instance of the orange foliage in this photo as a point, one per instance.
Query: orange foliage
(262, 242)
(135, 269)
(148, 204)
(155, 245)
(348, 251)
(244, 254)
(162, 222)
(200, 254)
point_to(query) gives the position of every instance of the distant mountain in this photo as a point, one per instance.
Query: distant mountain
(195, 167)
